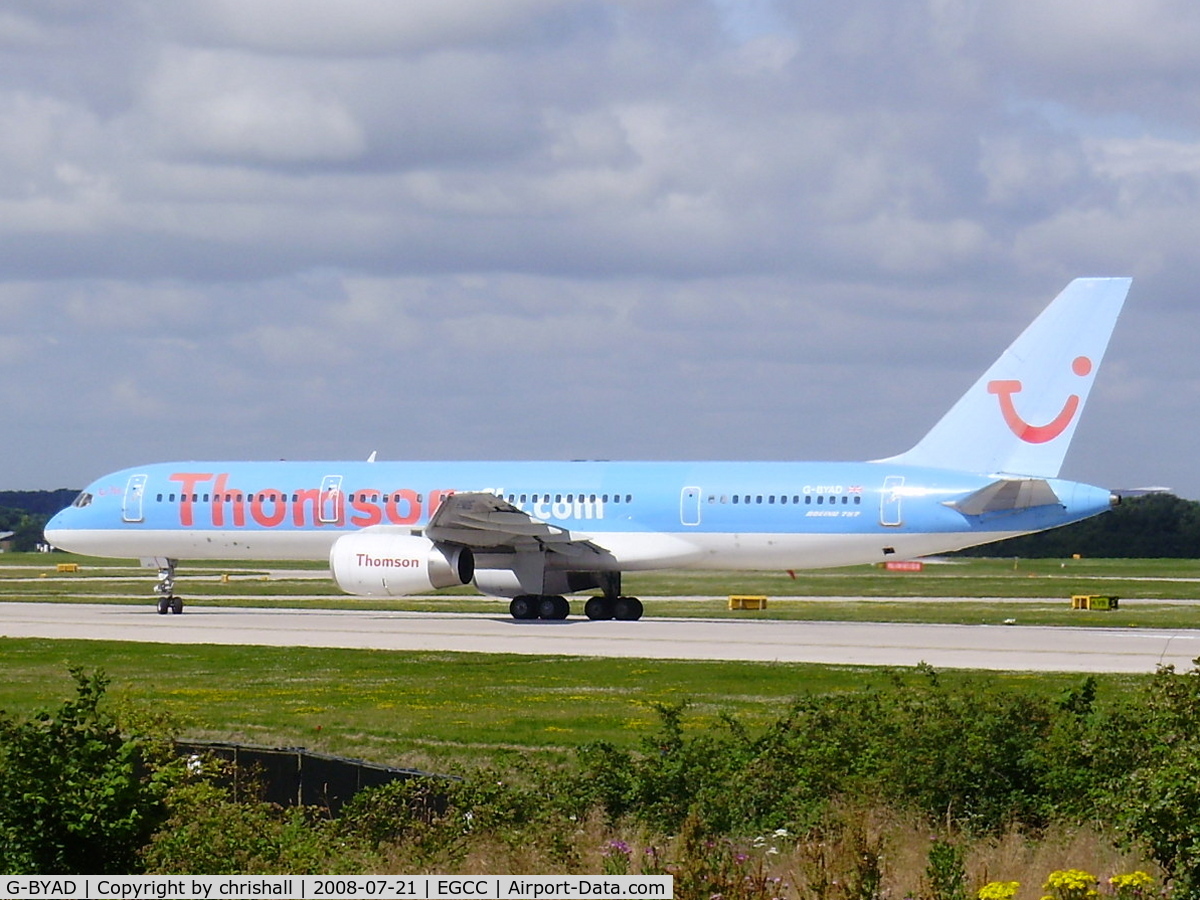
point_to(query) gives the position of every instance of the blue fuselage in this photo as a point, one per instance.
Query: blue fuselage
(648, 514)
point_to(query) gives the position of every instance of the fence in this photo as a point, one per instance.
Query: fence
(293, 776)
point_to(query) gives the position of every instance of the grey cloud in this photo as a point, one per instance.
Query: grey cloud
(361, 27)
(545, 229)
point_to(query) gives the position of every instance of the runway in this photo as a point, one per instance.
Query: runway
(1019, 648)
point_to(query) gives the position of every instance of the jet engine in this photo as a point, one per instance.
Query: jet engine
(381, 564)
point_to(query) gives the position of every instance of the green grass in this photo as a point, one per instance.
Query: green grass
(429, 709)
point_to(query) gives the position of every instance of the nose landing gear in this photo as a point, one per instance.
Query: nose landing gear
(165, 589)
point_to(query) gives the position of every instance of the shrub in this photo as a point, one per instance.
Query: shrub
(76, 796)
(209, 833)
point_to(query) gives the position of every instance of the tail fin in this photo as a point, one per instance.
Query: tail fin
(1019, 418)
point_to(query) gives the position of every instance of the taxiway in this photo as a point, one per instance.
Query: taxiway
(1020, 647)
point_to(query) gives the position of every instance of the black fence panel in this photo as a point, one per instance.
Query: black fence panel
(291, 776)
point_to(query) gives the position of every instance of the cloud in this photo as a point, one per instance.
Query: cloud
(358, 27)
(531, 228)
(227, 108)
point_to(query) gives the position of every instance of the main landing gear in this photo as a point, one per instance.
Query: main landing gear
(613, 605)
(625, 609)
(539, 606)
(165, 590)
(552, 607)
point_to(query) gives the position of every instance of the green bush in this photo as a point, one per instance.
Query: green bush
(207, 832)
(76, 795)
(978, 757)
(1156, 799)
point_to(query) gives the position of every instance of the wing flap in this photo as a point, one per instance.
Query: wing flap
(1007, 495)
(482, 520)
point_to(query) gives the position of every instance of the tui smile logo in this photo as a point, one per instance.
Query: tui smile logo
(1038, 434)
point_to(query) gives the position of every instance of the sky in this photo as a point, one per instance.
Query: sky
(506, 229)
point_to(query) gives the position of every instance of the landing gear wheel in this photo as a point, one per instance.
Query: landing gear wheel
(598, 609)
(553, 608)
(164, 605)
(523, 606)
(176, 605)
(627, 609)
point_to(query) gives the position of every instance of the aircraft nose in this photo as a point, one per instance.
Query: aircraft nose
(57, 528)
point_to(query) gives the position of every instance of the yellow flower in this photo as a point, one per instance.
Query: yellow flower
(1131, 885)
(1071, 884)
(1137, 879)
(999, 890)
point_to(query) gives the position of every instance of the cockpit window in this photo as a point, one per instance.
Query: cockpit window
(84, 499)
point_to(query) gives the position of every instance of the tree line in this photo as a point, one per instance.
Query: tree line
(1156, 526)
(25, 513)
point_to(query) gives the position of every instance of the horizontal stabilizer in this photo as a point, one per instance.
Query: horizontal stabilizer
(1124, 493)
(1007, 495)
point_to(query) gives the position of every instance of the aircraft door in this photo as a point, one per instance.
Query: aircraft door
(131, 506)
(331, 500)
(689, 506)
(889, 501)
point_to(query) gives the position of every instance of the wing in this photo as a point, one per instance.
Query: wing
(487, 522)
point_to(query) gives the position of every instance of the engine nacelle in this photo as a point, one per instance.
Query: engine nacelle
(380, 564)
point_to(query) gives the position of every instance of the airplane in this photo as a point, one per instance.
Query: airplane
(534, 531)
